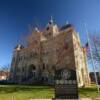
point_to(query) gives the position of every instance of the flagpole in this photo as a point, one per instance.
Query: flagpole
(91, 54)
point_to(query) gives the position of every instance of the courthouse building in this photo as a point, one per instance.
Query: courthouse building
(48, 50)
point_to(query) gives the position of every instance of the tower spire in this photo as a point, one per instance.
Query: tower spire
(36, 29)
(51, 20)
(66, 22)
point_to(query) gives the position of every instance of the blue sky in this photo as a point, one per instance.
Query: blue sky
(17, 15)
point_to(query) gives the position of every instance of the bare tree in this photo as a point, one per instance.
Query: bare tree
(5, 68)
(95, 45)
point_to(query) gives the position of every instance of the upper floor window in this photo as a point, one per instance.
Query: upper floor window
(13, 59)
(43, 66)
(47, 28)
(49, 33)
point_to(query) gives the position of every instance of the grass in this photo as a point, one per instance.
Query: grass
(22, 92)
(26, 92)
(90, 91)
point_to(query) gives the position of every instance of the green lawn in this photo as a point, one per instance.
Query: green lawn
(23, 92)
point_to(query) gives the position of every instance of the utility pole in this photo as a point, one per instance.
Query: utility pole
(91, 54)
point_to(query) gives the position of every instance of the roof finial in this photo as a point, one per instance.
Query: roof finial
(51, 20)
(67, 22)
(36, 29)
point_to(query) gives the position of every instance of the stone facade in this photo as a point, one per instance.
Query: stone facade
(48, 50)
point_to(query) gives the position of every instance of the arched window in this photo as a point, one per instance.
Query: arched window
(32, 67)
(43, 66)
(47, 28)
(31, 71)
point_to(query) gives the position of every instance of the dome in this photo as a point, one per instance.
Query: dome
(19, 47)
(66, 26)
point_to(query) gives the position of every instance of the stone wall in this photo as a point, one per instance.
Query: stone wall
(41, 57)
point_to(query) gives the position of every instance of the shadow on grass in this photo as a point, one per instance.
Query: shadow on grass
(87, 92)
(21, 88)
(83, 92)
